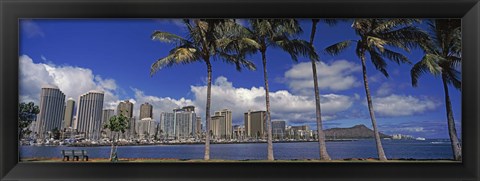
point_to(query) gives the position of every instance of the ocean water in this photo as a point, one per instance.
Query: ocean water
(394, 149)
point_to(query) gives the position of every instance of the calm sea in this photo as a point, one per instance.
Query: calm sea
(394, 149)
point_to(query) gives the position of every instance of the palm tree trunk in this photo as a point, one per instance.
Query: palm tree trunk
(113, 145)
(321, 135)
(207, 109)
(267, 102)
(452, 131)
(381, 153)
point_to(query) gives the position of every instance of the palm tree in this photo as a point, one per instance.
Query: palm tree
(442, 58)
(378, 38)
(116, 124)
(206, 39)
(276, 33)
(321, 135)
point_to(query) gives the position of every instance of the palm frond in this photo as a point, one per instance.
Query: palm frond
(428, 64)
(388, 24)
(297, 47)
(176, 56)
(337, 48)
(395, 56)
(379, 62)
(168, 37)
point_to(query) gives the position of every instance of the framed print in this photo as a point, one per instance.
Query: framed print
(239, 90)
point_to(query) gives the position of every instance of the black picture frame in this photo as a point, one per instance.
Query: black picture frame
(12, 10)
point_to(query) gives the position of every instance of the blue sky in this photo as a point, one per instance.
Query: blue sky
(114, 55)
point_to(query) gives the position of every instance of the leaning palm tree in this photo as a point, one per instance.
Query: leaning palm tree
(116, 124)
(276, 33)
(379, 38)
(442, 58)
(206, 39)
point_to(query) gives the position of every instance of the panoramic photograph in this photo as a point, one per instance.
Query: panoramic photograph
(240, 90)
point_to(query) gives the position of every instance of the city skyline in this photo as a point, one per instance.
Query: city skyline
(416, 111)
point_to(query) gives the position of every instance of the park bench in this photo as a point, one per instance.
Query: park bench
(67, 154)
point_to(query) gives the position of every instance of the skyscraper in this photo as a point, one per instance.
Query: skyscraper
(217, 127)
(221, 124)
(255, 124)
(126, 109)
(52, 110)
(146, 128)
(68, 118)
(146, 111)
(106, 115)
(278, 129)
(181, 124)
(185, 122)
(89, 114)
(167, 125)
(198, 129)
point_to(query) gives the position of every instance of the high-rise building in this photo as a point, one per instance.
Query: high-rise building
(255, 124)
(69, 112)
(146, 128)
(278, 129)
(89, 114)
(217, 127)
(106, 115)
(146, 111)
(167, 125)
(52, 111)
(181, 124)
(125, 108)
(185, 119)
(198, 128)
(221, 124)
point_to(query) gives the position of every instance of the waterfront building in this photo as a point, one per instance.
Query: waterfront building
(146, 111)
(185, 119)
(278, 129)
(255, 124)
(89, 114)
(106, 115)
(52, 111)
(69, 112)
(217, 127)
(238, 132)
(125, 108)
(181, 124)
(299, 132)
(167, 125)
(198, 128)
(146, 128)
(221, 124)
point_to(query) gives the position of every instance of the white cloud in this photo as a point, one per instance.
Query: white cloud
(403, 105)
(72, 81)
(31, 29)
(284, 105)
(335, 76)
(384, 89)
